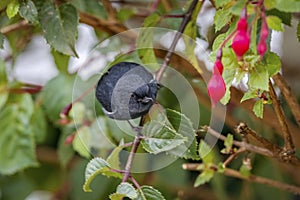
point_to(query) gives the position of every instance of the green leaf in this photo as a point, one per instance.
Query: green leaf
(218, 41)
(145, 40)
(124, 14)
(236, 9)
(250, 94)
(57, 93)
(274, 23)
(245, 171)
(17, 145)
(28, 11)
(124, 190)
(159, 137)
(39, 124)
(149, 193)
(65, 151)
(113, 158)
(285, 17)
(269, 4)
(220, 3)
(222, 17)
(273, 63)
(184, 127)
(258, 108)
(259, 78)
(205, 152)
(12, 8)
(1, 41)
(94, 167)
(81, 142)
(228, 144)
(61, 61)
(3, 84)
(204, 177)
(288, 6)
(59, 25)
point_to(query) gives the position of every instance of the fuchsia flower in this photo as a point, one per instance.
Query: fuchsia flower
(216, 85)
(241, 40)
(262, 44)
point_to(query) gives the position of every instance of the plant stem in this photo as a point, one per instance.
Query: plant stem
(14, 27)
(288, 141)
(251, 178)
(178, 34)
(289, 97)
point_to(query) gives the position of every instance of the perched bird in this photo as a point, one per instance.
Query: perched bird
(126, 91)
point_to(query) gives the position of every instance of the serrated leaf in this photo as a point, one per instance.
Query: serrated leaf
(12, 8)
(81, 142)
(258, 108)
(205, 152)
(285, 17)
(159, 137)
(145, 40)
(17, 145)
(149, 193)
(259, 78)
(57, 93)
(274, 23)
(218, 41)
(204, 177)
(94, 167)
(250, 94)
(28, 11)
(1, 41)
(59, 25)
(273, 63)
(221, 18)
(124, 190)
(184, 127)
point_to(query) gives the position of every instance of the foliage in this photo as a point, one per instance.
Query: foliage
(54, 133)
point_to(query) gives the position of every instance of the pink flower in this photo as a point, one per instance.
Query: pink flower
(240, 43)
(216, 85)
(262, 48)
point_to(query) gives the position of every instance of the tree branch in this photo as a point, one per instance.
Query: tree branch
(14, 27)
(111, 12)
(289, 97)
(251, 178)
(288, 141)
(184, 23)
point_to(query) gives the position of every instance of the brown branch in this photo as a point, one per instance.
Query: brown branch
(111, 27)
(251, 178)
(233, 156)
(288, 95)
(14, 27)
(111, 12)
(288, 141)
(178, 34)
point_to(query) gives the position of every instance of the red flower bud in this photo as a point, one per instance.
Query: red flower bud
(216, 88)
(218, 67)
(242, 25)
(65, 111)
(240, 43)
(264, 32)
(262, 47)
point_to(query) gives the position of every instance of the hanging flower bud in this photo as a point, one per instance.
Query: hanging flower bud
(261, 48)
(216, 88)
(262, 44)
(218, 67)
(69, 139)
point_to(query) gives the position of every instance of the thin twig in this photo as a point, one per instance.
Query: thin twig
(13, 27)
(111, 12)
(251, 178)
(233, 156)
(178, 34)
(288, 95)
(288, 141)
(248, 147)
